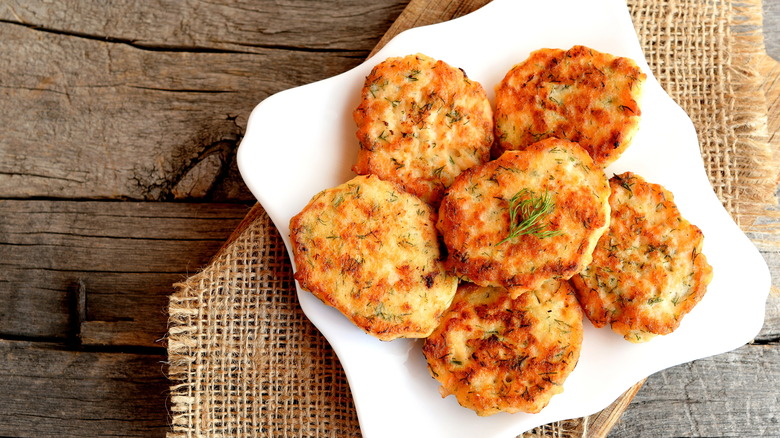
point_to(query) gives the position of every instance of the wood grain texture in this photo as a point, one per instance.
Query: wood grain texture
(732, 394)
(771, 28)
(137, 96)
(125, 255)
(50, 391)
(238, 26)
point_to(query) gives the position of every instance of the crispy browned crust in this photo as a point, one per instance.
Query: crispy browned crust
(474, 216)
(420, 123)
(498, 354)
(580, 94)
(371, 250)
(648, 270)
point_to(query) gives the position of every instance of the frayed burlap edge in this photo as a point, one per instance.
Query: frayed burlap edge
(758, 210)
(716, 81)
(759, 173)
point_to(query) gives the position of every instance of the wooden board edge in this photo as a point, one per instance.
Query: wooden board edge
(600, 423)
(424, 12)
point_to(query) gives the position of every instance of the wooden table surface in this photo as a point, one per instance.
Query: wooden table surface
(118, 177)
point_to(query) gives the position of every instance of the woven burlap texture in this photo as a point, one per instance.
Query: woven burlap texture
(244, 360)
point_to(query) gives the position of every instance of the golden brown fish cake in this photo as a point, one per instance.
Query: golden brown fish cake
(648, 270)
(475, 220)
(420, 123)
(371, 251)
(580, 94)
(498, 354)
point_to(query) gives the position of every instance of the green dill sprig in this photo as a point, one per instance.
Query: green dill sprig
(526, 212)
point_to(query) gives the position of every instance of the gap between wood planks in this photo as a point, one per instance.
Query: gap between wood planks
(74, 345)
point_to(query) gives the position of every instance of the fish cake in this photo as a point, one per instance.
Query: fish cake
(420, 123)
(648, 270)
(371, 250)
(490, 246)
(498, 354)
(580, 94)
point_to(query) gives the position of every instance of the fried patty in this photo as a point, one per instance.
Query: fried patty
(490, 246)
(371, 250)
(498, 354)
(579, 94)
(648, 270)
(420, 123)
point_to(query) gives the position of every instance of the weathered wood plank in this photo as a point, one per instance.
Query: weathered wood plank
(88, 114)
(120, 308)
(771, 329)
(125, 256)
(127, 122)
(24, 221)
(237, 26)
(771, 27)
(48, 391)
(730, 395)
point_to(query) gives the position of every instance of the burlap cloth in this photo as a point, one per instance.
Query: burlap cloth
(245, 361)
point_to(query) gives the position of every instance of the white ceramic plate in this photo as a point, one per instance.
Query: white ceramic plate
(302, 140)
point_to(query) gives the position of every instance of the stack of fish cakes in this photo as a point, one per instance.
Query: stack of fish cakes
(420, 123)
(494, 259)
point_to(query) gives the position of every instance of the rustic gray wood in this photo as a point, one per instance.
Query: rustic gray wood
(771, 28)
(50, 391)
(243, 26)
(135, 95)
(730, 395)
(125, 255)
